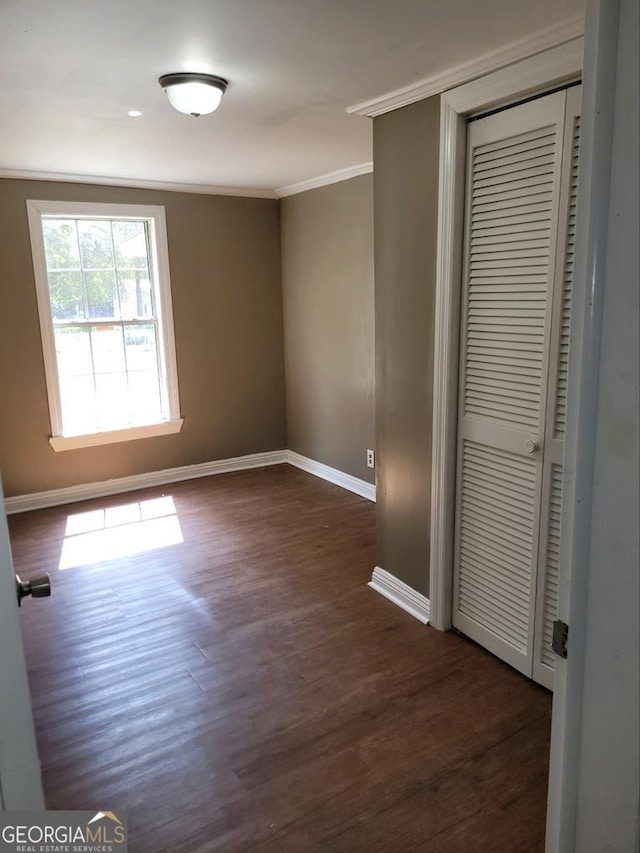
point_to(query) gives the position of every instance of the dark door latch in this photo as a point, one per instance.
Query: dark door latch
(560, 638)
(39, 587)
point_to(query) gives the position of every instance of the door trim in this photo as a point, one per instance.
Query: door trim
(20, 779)
(562, 64)
(590, 263)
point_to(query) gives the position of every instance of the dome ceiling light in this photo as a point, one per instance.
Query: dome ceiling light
(193, 93)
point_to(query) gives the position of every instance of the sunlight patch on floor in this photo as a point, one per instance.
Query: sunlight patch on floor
(120, 531)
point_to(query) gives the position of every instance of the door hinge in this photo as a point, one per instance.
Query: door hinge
(560, 639)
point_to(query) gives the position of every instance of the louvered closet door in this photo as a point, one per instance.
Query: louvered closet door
(513, 188)
(549, 553)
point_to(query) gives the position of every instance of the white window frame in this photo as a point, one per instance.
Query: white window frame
(154, 216)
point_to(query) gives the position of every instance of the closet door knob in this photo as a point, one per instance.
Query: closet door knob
(531, 446)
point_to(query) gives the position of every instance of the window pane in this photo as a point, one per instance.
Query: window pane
(135, 294)
(101, 294)
(60, 244)
(96, 248)
(111, 391)
(131, 245)
(108, 349)
(66, 292)
(144, 397)
(106, 311)
(73, 352)
(140, 343)
(79, 412)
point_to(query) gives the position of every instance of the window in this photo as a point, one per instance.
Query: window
(104, 298)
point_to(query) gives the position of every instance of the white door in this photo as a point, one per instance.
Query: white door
(549, 551)
(515, 246)
(20, 783)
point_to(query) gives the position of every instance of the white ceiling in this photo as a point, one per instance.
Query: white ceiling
(71, 69)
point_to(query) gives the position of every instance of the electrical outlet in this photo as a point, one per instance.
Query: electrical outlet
(371, 459)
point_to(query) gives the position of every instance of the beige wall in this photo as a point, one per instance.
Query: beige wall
(225, 274)
(406, 195)
(327, 267)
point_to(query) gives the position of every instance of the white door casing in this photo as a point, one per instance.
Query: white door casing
(545, 70)
(20, 781)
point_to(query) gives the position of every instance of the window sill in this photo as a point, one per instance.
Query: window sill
(94, 439)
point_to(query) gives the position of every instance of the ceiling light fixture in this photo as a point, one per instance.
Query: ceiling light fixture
(193, 93)
(134, 113)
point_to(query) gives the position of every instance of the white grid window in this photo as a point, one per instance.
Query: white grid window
(104, 297)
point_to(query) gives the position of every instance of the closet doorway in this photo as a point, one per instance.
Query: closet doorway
(521, 184)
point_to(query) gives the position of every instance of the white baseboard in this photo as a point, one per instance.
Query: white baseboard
(339, 478)
(86, 491)
(401, 594)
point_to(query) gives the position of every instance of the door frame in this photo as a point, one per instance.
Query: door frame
(20, 778)
(536, 74)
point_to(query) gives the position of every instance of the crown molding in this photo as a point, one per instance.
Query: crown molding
(325, 180)
(169, 186)
(549, 37)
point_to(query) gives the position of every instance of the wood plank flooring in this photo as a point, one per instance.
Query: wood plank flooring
(243, 690)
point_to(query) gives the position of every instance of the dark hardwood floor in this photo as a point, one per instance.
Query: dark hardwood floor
(244, 690)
